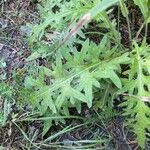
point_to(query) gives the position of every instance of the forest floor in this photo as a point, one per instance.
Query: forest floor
(14, 15)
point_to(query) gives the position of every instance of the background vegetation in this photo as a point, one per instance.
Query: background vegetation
(81, 78)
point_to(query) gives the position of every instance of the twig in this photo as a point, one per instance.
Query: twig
(86, 18)
(139, 31)
(143, 98)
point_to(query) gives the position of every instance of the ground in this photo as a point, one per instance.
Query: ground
(14, 49)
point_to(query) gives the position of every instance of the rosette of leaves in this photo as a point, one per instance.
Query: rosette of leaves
(74, 76)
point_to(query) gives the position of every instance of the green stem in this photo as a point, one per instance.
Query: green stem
(140, 85)
(146, 29)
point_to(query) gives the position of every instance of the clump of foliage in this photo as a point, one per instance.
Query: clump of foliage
(78, 71)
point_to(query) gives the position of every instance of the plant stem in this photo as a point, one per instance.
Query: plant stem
(139, 31)
(129, 29)
(118, 18)
(146, 29)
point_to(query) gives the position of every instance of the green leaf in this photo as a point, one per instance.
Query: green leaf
(148, 20)
(5, 113)
(30, 82)
(101, 6)
(47, 71)
(47, 124)
(135, 85)
(115, 79)
(34, 56)
(124, 8)
(2, 63)
(77, 95)
(143, 5)
(48, 101)
(40, 50)
(67, 92)
(2, 148)
(61, 19)
(86, 83)
(140, 120)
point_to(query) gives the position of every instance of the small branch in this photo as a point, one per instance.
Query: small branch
(86, 18)
(139, 31)
(143, 98)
